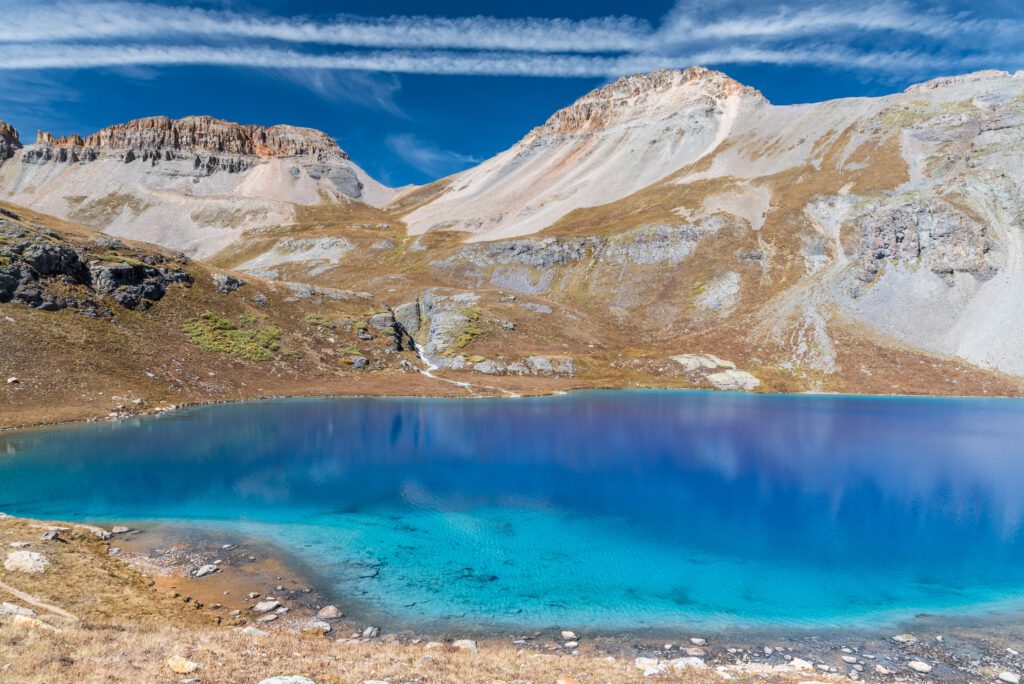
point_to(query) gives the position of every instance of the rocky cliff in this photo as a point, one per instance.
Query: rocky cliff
(9, 141)
(192, 184)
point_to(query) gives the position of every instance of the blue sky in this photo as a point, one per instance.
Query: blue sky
(416, 90)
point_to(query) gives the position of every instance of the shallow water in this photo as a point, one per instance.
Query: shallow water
(614, 510)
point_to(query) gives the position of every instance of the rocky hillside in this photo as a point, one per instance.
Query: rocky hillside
(673, 229)
(191, 184)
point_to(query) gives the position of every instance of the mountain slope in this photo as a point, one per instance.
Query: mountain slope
(191, 184)
(668, 230)
(607, 145)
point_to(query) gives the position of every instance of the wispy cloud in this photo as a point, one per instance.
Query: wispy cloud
(890, 36)
(427, 157)
(372, 91)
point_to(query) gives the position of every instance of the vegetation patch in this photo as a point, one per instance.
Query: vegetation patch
(319, 320)
(470, 333)
(246, 340)
(471, 312)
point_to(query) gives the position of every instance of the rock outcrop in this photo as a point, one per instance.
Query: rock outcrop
(9, 141)
(41, 270)
(191, 184)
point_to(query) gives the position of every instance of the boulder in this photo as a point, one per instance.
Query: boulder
(180, 665)
(265, 606)
(28, 562)
(315, 627)
(226, 283)
(14, 609)
(688, 663)
(329, 613)
(408, 316)
(382, 320)
(736, 380)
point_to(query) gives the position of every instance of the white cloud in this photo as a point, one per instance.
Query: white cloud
(427, 157)
(890, 36)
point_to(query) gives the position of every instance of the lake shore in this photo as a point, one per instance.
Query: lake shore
(252, 595)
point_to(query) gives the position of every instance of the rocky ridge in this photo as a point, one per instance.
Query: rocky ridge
(42, 270)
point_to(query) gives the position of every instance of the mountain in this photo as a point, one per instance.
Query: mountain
(607, 145)
(191, 184)
(672, 229)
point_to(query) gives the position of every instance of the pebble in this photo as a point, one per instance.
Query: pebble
(572, 644)
(800, 664)
(569, 636)
(180, 665)
(905, 639)
(918, 666)
(882, 670)
(119, 530)
(849, 659)
(697, 641)
(464, 644)
(269, 617)
(13, 381)
(695, 652)
(371, 632)
(288, 679)
(1009, 677)
(20, 545)
(330, 613)
(206, 570)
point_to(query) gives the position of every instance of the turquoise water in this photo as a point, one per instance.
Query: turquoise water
(611, 510)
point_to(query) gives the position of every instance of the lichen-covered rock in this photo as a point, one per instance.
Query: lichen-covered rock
(408, 316)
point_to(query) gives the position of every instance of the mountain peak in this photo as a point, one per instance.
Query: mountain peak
(204, 134)
(652, 93)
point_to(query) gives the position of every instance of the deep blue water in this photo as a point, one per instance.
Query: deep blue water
(613, 510)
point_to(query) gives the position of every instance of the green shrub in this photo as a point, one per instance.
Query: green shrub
(250, 342)
(470, 312)
(470, 333)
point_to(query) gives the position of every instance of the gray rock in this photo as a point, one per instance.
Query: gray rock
(489, 367)
(265, 606)
(464, 645)
(359, 362)
(371, 632)
(29, 562)
(918, 666)
(540, 365)
(408, 316)
(382, 320)
(226, 283)
(13, 609)
(288, 679)
(206, 570)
